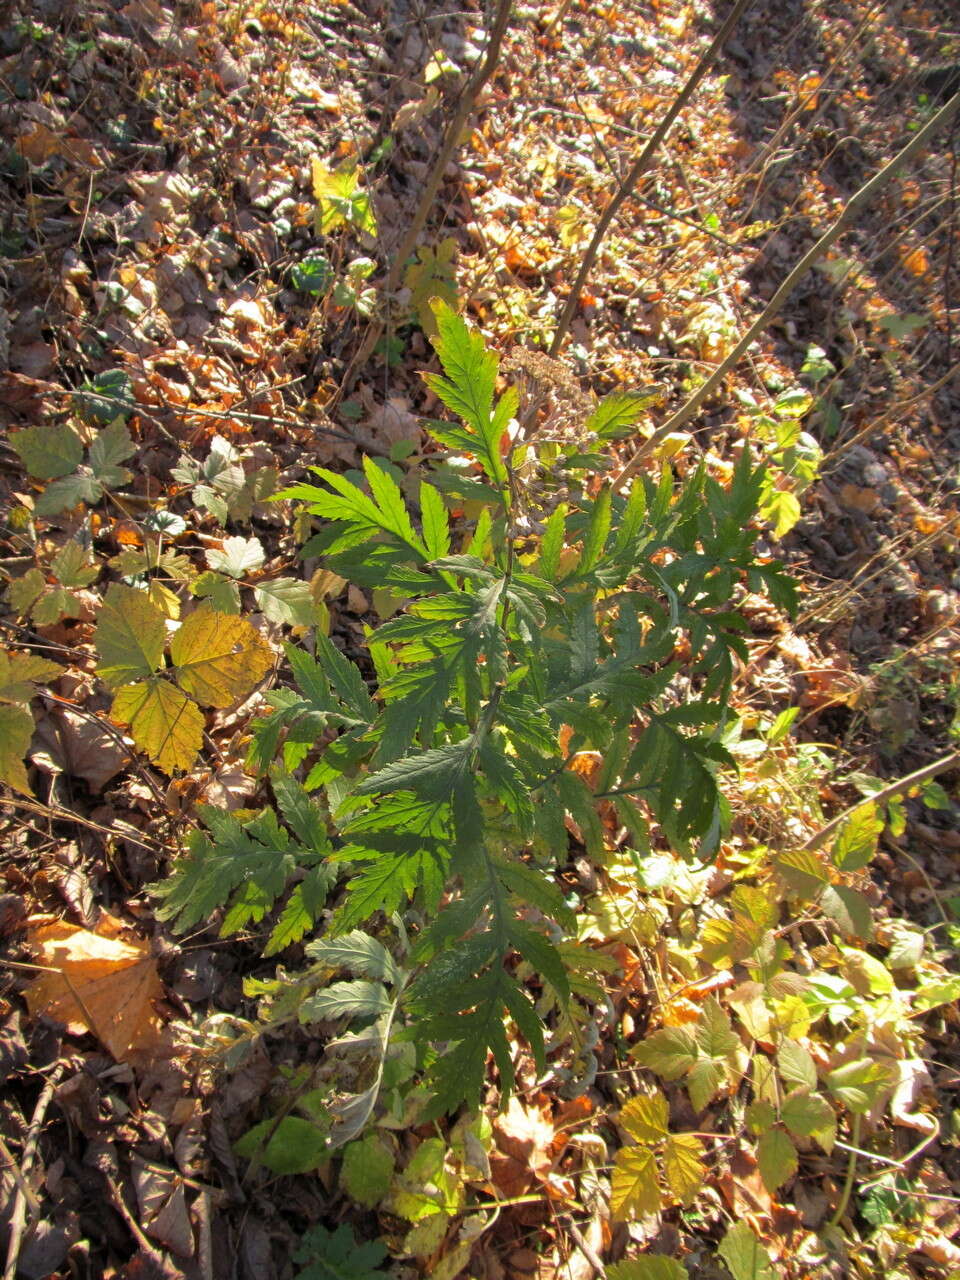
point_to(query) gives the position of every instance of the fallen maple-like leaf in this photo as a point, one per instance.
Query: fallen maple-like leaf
(97, 982)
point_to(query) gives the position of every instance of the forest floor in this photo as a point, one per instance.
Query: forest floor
(165, 272)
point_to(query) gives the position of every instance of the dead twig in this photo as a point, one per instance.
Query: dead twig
(18, 1219)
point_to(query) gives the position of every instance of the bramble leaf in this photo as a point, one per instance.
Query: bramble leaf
(163, 722)
(16, 730)
(130, 637)
(634, 1190)
(218, 657)
(48, 452)
(745, 1256)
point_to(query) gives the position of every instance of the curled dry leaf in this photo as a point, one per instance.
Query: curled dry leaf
(97, 982)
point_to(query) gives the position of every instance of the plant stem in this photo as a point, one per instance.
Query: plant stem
(879, 797)
(854, 206)
(851, 1173)
(639, 168)
(467, 102)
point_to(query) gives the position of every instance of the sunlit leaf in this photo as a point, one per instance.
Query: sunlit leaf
(219, 658)
(163, 721)
(634, 1190)
(777, 1158)
(130, 636)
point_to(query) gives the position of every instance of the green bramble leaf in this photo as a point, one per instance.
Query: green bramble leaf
(290, 1145)
(649, 1267)
(48, 452)
(367, 1170)
(777, 1158)
(336, 1255)
(744, 1255)
(16, 730)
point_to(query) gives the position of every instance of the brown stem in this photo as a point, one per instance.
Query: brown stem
(639, 168)
(451, 138)
(856, 203)
(18, 1218)
(892, 789)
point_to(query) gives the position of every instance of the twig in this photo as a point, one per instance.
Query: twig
(885, 793)
(18, 1217)
(406, 247)
(586, 1248)
(638, 169)
(829, 237)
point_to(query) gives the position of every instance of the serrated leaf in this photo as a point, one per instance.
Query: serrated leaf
(110, 447)
(802, 872)
(931, 995)
(634, 1189)
(19, 672)
(704, 1082)
(358, 953)
(849, 910)
(859, 1085)
(856, 842)
(288, 601)
(219, 658)
(432, 774)
(72, 568)
(777, 1158)
(714, 1034)
(130, 636)
(236, 557)
(290, 1145)
(652, 1266)
(346, 1000)
(163, 721)
(670, 1052)
(48, 452)
(808, 1115)
(760, 1115)
(617, 413)
(683, 1168)
(66, 493)
(335, 1255)
(646, 1118)
(744, 1255)
(301, 910)
(436, 524)
(16, 730)
(221, 594)
(796, 1065)
(23, 593)
(367, 1170)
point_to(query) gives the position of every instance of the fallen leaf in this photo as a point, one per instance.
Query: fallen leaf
(98, 983)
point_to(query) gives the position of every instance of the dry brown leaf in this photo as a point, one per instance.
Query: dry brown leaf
(97, 982)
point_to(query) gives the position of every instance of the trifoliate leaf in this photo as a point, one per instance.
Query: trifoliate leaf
(634, 1189)
(777, 1158)
(346, 1000)
(652, 1266)
(288, 601)
(682, 1166)
(645, 1118)
(48, 452)
(236, 557)
(367, 1170)
(745, 1255)
(163, 722)
(16, 730)
(219, 658)
(19, 671)
(130, 636)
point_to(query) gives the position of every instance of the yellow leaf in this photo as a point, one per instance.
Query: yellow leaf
(130, 636)
(164, 599)
(219, 657)
(634, 1190)
(101, 984)
(645, 1118)
(163, 721)
(682, 1167)
(16, 730)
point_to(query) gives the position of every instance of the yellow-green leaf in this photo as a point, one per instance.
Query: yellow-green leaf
(652, 1266)
(645, 1118)
(18, 671)
(219, 658)
(682, 1166)
(163, 722)
(802, 872)
(48, 452)
(670, 1052)
(130, 636)
(745, 1255)
(777, 1158)
(16, 730)
(634, 1190)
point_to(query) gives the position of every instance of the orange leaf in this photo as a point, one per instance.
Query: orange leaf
(97, 982)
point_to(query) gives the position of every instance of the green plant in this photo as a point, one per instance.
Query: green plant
(448, 759)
